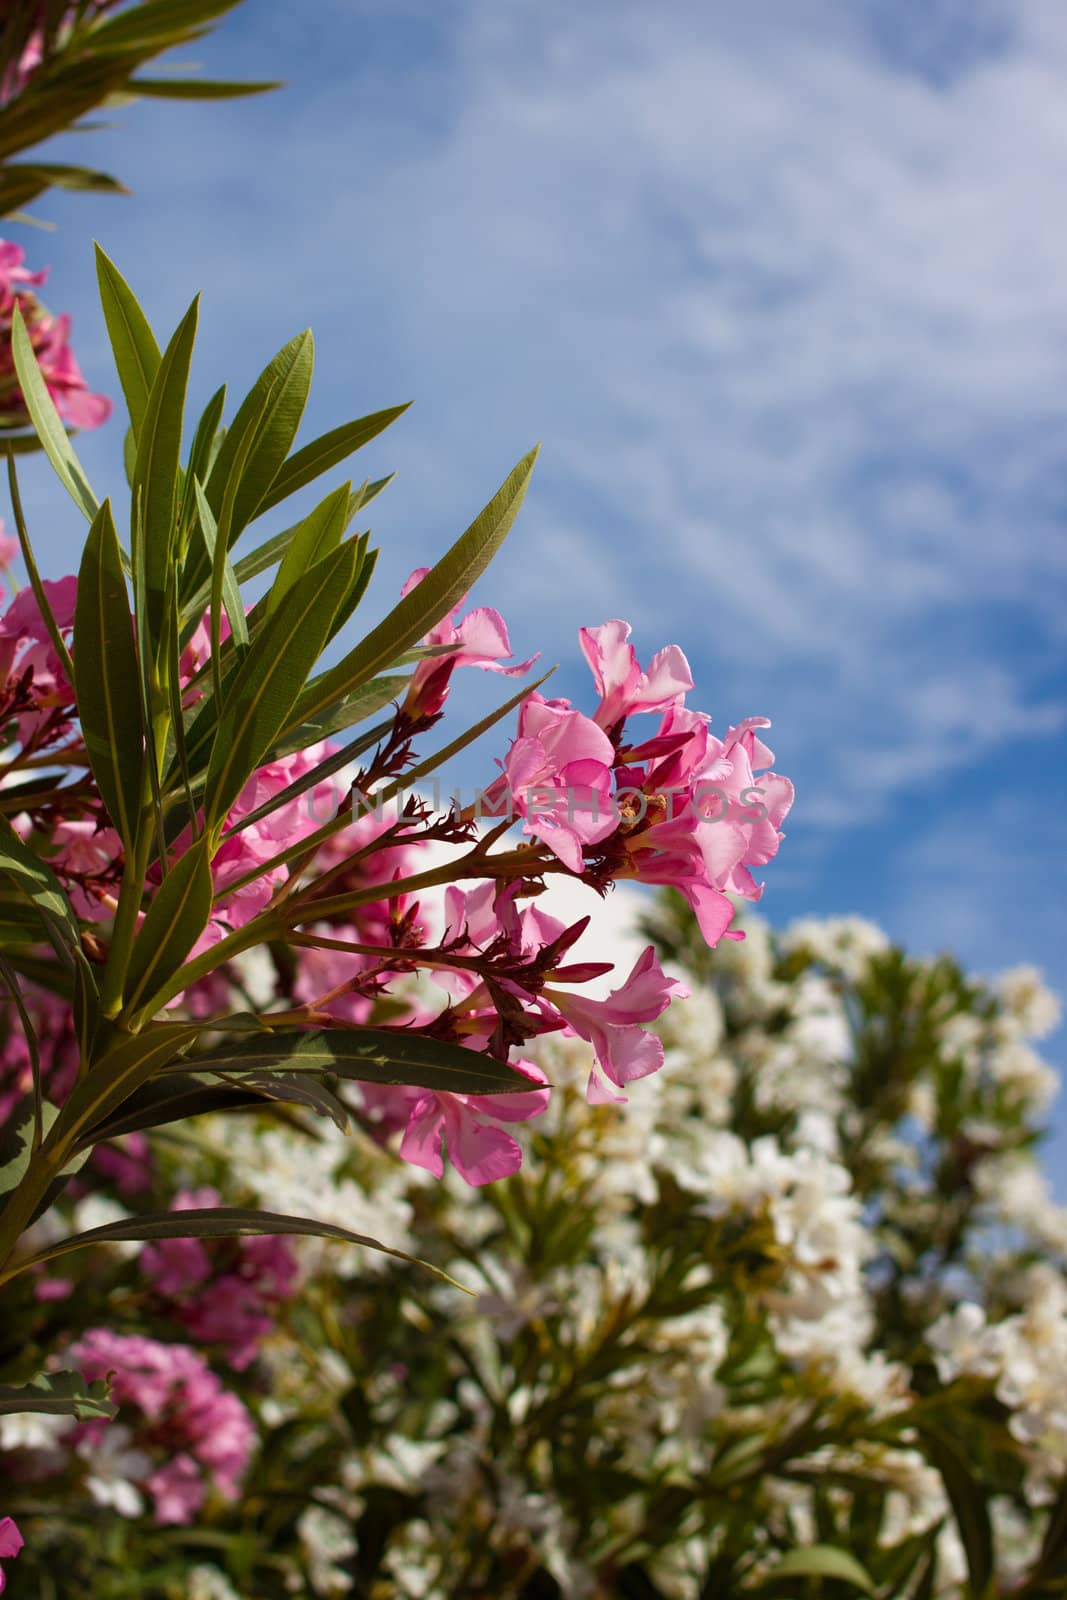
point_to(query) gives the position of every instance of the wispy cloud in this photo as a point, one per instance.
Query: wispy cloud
(782, 288)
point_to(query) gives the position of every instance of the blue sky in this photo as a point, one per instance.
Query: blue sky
(783, 290)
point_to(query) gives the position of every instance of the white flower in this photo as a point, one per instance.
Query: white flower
(208, 1583)
(963, 1343)
(844, 943)
(114, 1469)
(1035, 1008)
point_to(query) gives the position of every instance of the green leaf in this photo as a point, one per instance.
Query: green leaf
(968, 1502)
(46, 420)
(271, 412)
(158, 24)
(354, 708)
(117, 1075)
(133, 343)
(822, 1561)
(439, 592)
(203, 449)
(58, 1394)
(293, 1091)
(175, 920)
(17, 1145)
(367, 1055)
(196, 88)
(310, 462)
(173, 1099)
(231, 594)
(21, 182)
(38, 884)
(261, 694)
(318, 774)
(106, 676)
(213, 1222)
(271, 551)
(317, 536)
(157, 473)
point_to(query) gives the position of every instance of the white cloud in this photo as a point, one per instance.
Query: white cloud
(787, 309)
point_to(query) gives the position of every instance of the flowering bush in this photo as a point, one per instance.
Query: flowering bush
(764, 1294)
(175, 799)
(794, 1316)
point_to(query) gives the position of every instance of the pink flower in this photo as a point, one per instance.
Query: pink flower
(478, 1148)
(620, 682)
(11, 1542)
(179, 1416)
(704, 815)
(622, 1049)
(557, 775)
(12, 271)
(480, 640)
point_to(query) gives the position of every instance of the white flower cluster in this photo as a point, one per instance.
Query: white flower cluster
(1024, 1356)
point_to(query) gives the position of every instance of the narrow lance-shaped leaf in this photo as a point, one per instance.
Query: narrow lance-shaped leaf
(320, 532)
(46, 420)
(202, 453)
(196, 88)
(354, 708)
(212, 1222)
(439, 592)
(175, 920)
(271, 551)
(967, 1499)
(262, 693)
(367, 1055)
(306, 1092)
(284, 382)
(133, 344)
(157, 472)
(119, 1073)
(231, 594)
(318, 774)
(157, 25)
(38, 883)
(368, 560)
(106, 676)
(312, 460)
(822, 1561)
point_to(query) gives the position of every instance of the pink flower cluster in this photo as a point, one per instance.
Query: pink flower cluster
(682, 808)
(50, 337)
(677, 806)
(223, 1292)
(190, 1433)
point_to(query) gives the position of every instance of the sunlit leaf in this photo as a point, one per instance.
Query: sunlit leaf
(133, 344)
(369, 1055)
(439, 592)
(46, 420)
(175, 920)
(262, 693)
(312, 460)
(106, 676)
(212, 1222)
